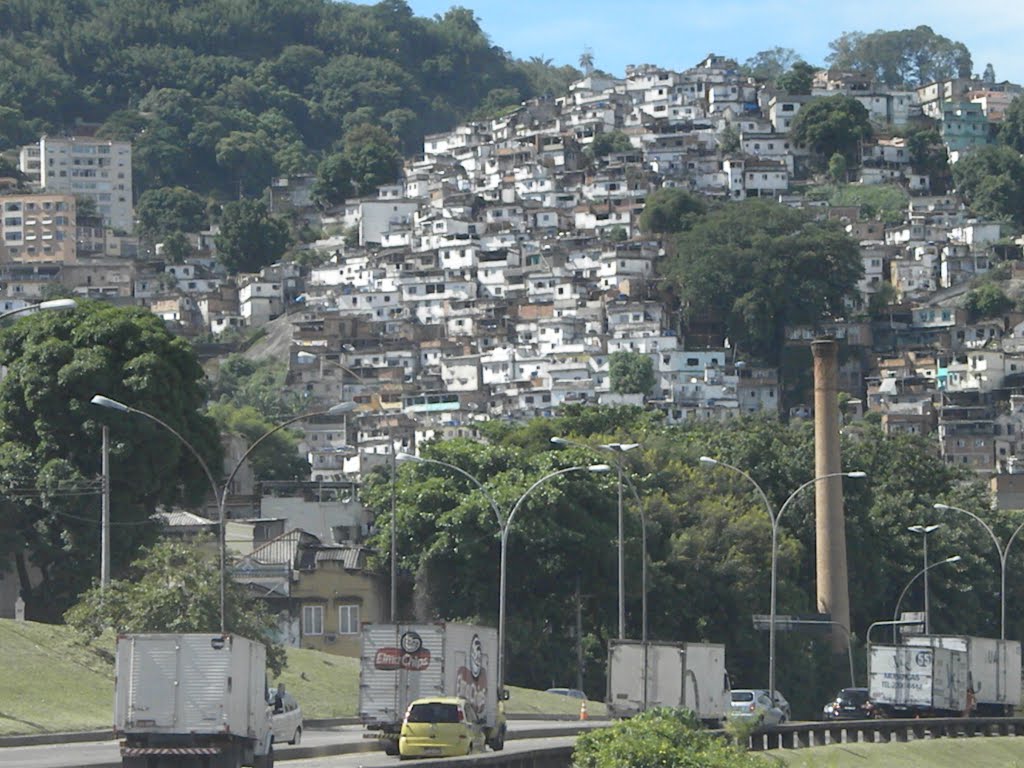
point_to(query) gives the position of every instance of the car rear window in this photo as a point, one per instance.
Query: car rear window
(742, 696)
(853, 697)
(434, 712)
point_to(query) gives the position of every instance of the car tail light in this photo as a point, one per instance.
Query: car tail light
(461, 716)
(752, 707)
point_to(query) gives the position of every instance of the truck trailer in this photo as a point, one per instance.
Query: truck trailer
(400, 663)
(908, 680)
(993, 669)
(691, 675)
(191, 700)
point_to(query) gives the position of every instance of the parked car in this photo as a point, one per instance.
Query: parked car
(755, 704)
(285, 718)
(441, 727)
(850, 704)
(575, 693)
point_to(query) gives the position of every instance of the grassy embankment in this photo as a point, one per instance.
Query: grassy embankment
(51, 681)
(977, 752)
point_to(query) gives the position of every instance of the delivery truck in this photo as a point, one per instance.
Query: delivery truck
(191, 700)
(908, 680)
(400, 663)
(993, 669)
(691, 675)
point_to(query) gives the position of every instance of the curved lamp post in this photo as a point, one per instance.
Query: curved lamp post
(41, 306)
(1002, 550)
(504, 524)
(219, 494)
(775, 517)
(618, 449)
(922, 572)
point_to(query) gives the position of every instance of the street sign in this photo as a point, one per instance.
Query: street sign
(790, 622)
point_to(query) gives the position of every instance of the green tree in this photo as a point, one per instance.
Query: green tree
(659, 737)
(799, 79)
(248, 159)
(991, 181)
(928, 155)
(771, 64)
(250, 238)
(1011, 130)
(257, 384)
(50, 438)
(833, 124)
(670, 210)
(612, 141)
(901, 58)
(175, 587)
(372, 156)
(333, 180)
(757, 267)
(987, 301)
(837, 169)
(163, 211)
(276, 457)
(630, 373)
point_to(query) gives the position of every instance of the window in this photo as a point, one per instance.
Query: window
(348, 619)
(312, 619)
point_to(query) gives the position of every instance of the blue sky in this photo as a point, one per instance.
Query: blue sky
(677, 34)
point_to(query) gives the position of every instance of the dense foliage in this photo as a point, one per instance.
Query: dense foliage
(630, 373)
(756, 267)
(991, 181)
(901, 58)
(708, 541)
(175, 587)
(831, 125)
(659, 738)
(219, 94)
(50, 438)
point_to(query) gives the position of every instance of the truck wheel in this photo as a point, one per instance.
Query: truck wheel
(264, 761)
(498, 742)
(390, 747)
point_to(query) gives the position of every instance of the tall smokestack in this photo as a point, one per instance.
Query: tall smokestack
(830, 522)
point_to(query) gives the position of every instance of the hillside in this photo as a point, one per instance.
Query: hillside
(52, 681)
(219, 95)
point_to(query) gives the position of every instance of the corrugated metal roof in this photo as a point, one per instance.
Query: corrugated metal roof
(180, 517)
(351, 558)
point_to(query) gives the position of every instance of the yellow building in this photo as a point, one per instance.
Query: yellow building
(323, 594)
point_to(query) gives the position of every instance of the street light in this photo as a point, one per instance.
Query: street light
(618, 449)
(42, 306)
(1003, 551)
(775, 517)
(220, 495)
(924, 530)
(504, 524)
(923, 571)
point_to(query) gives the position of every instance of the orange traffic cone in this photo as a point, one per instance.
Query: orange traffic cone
(583, 709)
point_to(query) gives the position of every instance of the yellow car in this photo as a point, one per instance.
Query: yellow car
(441, 727)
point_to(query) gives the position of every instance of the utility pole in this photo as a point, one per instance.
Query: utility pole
(105, 514)
(394, 532)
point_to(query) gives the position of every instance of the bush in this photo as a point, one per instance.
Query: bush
(659, 738)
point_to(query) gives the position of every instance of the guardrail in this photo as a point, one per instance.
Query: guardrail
(799, 735)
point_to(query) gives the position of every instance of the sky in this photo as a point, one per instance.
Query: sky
(677, 34)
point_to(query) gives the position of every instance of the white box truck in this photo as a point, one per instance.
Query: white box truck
(690, 675)
(917, 680)
(191, 700)
(400, 663)
(993, 669)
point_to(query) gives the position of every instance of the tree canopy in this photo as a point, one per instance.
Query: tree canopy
(757, 266)
(630, 373)
(250, 238)
(50, 441)
(834, 124)
(901, 58)
(175, 587)
(991, 181)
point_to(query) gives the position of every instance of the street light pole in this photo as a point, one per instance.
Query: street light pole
(504, 525)
(1003, 552)
(41, 306)
(618, 449)
(924, 530)
(219, 494)
(775, 517)
(922, 572)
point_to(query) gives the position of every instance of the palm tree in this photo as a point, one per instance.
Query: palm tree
(587, 60)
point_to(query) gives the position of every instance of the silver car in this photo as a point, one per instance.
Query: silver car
(755, 704)
(285, 718)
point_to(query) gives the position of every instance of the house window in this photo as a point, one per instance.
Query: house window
(348, 619)
(312, 619)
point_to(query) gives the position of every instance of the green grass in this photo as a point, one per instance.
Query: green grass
(51, 681)
(977, 752)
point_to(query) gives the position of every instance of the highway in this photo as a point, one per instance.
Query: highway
(100, 754)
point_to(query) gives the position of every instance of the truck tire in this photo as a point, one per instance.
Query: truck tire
(264, 761)
(390, 747)
(498, 742)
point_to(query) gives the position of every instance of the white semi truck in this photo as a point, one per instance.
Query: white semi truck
(993, 669)
(909, 680)
(690, 675)
(400, 663)
(183, 700)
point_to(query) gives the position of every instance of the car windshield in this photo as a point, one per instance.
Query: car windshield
(742, 696)
(853, 697)
(433, 712)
